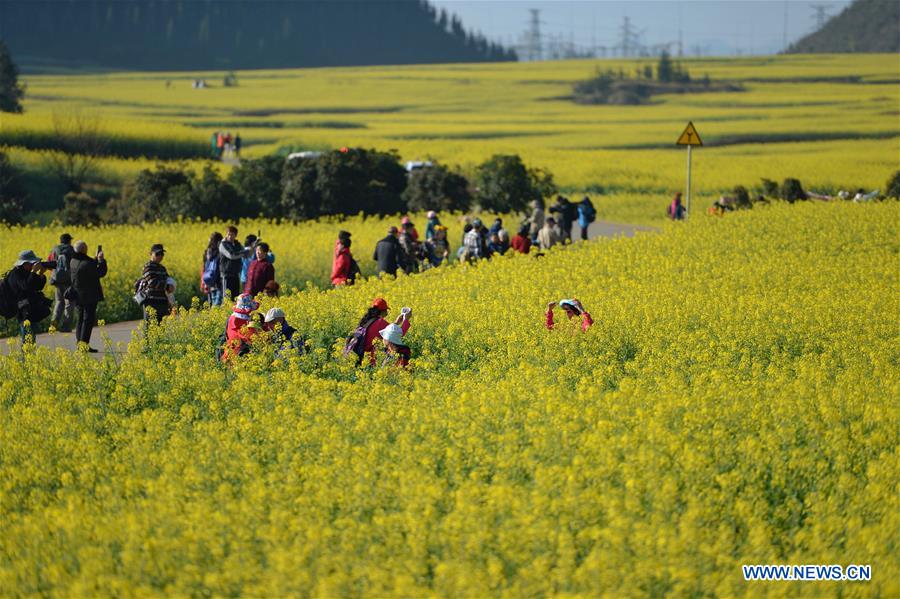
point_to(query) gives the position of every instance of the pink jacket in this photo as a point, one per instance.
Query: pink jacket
(372, 333)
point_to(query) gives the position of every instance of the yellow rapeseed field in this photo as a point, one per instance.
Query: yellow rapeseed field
(734, 403)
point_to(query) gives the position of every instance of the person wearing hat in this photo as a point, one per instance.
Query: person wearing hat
(374, 322)
(388, 253)
(433, 221)
(572, 308)
(407, 224)
(397, 352)
(474, 244)
(241, 328)
(63, 309)
(438, 248)
(284, 336)
(153, 285)
(86, 275)
(342, 265)
(26, 281)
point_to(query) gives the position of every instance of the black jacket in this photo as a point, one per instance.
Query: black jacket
(26, 285)
(231, 254)
(388, 255)
(86, 275)
(568, 213)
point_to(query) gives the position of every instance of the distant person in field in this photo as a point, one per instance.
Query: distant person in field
(536, 220)
(388, 253)
(343, 268)
(238, 142)
(676, 209)
(573, 308)
(549, 234)
(586, 215)
(438, 248)
(411, 228)
(86, 273)
(521, 242)
(214, 144)
(461, 251)
(433, 221)
(361, 341)
(409, 245)
(61, 279)
(210, 272)
(260, 272)
(153, 284)
(23, 286)
(220, 144)
(397, 353)
(566, 213)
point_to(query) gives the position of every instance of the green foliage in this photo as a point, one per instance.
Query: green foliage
(792, 190)
(344, 182)
(437, 188)
(12, 193)
(892, 187)
(665, 70)
(864, 26)
(770, 188)
(80, 209)
(741, 197)
(505, 184)
(11, 91)
(259, 183)
(170, 193)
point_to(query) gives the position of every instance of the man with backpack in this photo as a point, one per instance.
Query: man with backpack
(61, 279)
(586, 215)
(231, 262)
(21, 293)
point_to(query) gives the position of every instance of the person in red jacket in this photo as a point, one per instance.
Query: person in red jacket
(572, 308)
(521, 242)
(374, 322)
(343, 261)
(241, 328)
(260, 272)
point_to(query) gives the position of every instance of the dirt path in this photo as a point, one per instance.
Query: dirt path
(119, 334)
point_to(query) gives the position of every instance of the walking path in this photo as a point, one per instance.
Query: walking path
(120, 333)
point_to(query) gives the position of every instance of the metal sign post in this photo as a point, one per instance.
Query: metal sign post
(689, 138)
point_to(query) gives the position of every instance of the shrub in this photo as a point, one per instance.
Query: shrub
(741, 197)
(437, 188)
(770, 188)
(147, 197)
(213, 197)
(505, 184)
(792, 190)
(258, 182)
(299, 197)
(12, 193)
(80, 209)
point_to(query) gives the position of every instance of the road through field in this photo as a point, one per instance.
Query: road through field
(119, 334)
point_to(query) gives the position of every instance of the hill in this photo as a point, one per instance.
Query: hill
(864, 26)
(238, 34)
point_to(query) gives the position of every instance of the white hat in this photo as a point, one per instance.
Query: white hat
(392, 333)
(274, 313)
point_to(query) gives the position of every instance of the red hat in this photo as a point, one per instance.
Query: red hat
(380, 304)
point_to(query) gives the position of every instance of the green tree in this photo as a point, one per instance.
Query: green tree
(792, 190)
(892, 188)
(505, 184)
(80, 209)
(11, 91)
(258, 182)
(12, 193)
(299, 197)
(437, 188)
(664, 68)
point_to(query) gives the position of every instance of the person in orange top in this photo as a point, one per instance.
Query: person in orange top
(241, 328)
(572, 308)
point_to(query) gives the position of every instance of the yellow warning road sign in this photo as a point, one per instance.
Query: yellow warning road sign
(690, 137)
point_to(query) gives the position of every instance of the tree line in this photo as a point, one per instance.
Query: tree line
(239, 34)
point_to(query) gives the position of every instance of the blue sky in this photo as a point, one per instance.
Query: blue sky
(712, 27)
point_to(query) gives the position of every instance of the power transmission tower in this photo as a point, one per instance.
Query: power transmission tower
(629, 38)
(532, 44)
(820, 14)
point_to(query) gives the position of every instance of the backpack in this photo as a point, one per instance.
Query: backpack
(354, 271)
(62, 275)
(587, 209)
(356, 342)
(9, 302)
(211, 272)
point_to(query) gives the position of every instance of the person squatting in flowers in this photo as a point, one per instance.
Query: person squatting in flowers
(241, 328)
(572, 308)
(396, 351)
(374, 322)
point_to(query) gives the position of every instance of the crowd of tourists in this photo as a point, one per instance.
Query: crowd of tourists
(243, 271)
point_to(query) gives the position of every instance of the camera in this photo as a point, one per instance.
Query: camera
(49, 264)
